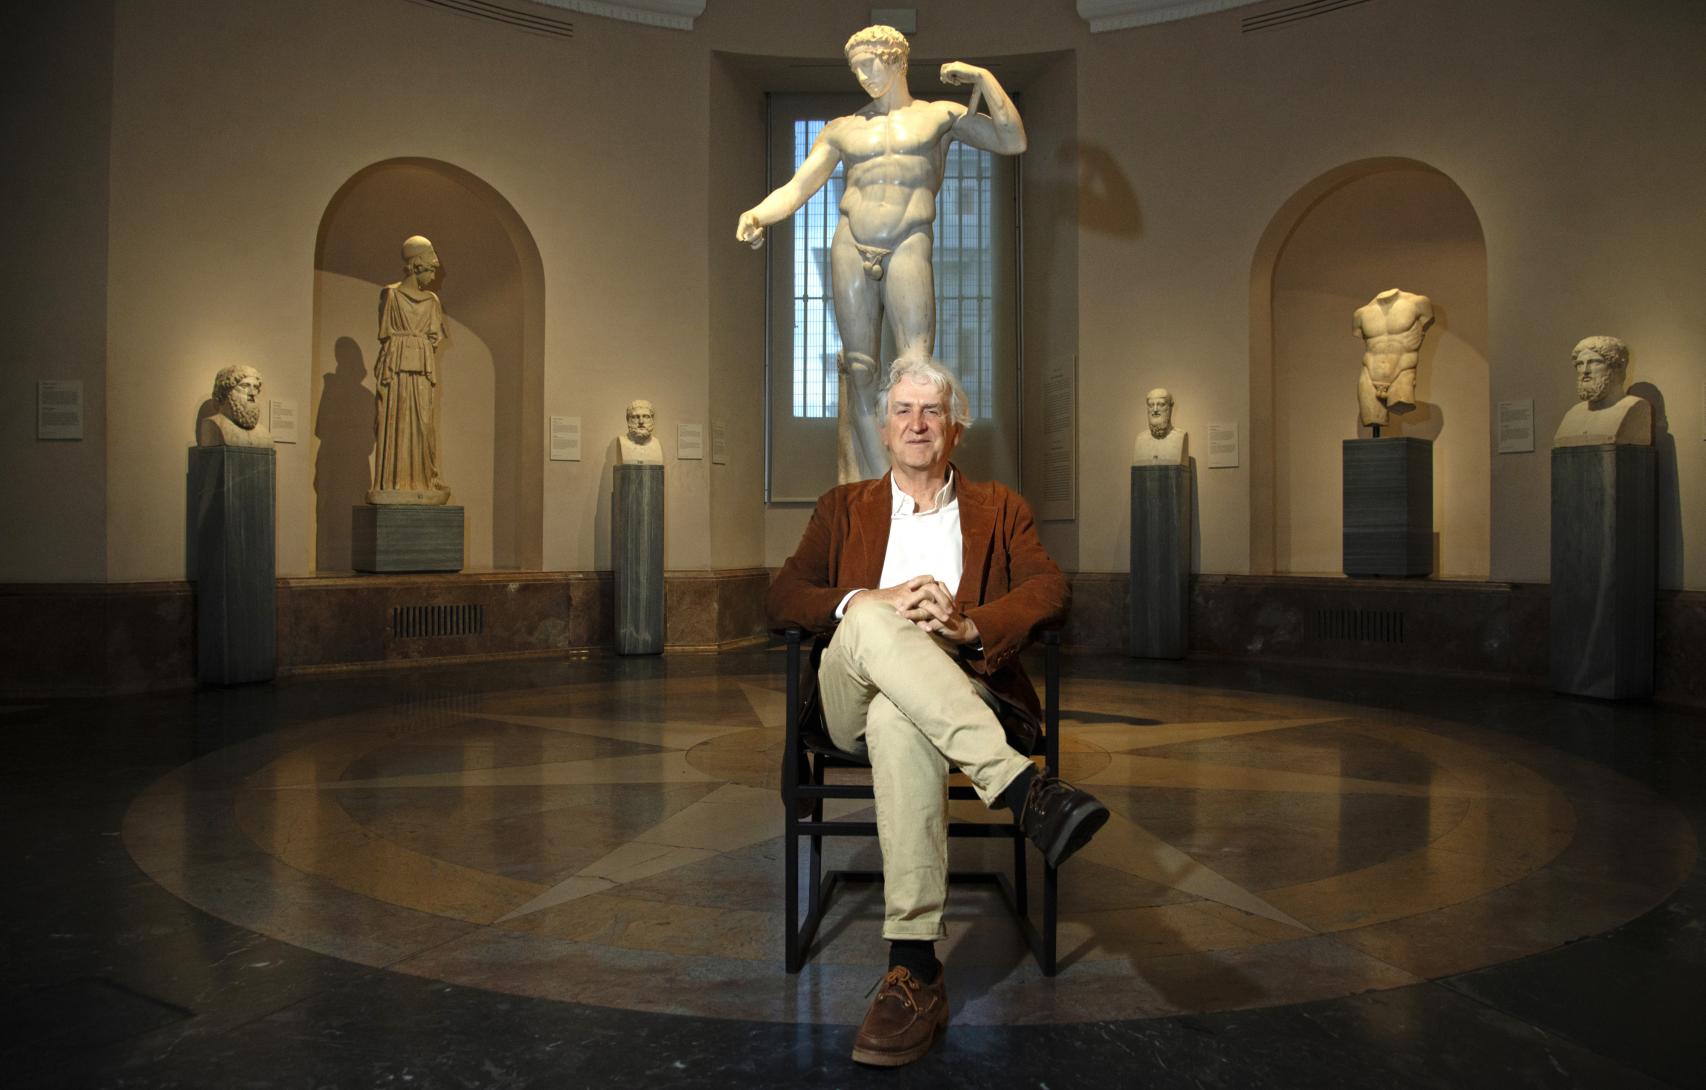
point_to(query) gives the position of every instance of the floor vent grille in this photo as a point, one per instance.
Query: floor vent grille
(1274, 18)
(425, 622)
(499, 13)
(1360, 625)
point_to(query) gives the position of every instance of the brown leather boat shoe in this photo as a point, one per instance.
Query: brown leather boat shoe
(905, 1019)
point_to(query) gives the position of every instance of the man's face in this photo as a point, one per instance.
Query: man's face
(1160, 415)
(1594, 375)
(917, 431)
(243, 401)
(874, 74)
(640, 419)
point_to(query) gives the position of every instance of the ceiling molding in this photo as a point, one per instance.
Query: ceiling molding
(674, 14)
(1122, 14)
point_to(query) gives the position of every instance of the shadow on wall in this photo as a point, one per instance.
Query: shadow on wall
(344, 427)
(1107, 203)
(1670, 567)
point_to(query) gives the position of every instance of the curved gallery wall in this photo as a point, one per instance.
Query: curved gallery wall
(489, 269)
(1403, 227)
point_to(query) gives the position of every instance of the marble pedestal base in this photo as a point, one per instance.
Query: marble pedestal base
(398, 538)
(1159, 600)
(232, 490)
(1389, 506)
(1604, 570)
(636, 554)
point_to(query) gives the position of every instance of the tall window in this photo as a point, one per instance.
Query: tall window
(976, 307)
(964, 261)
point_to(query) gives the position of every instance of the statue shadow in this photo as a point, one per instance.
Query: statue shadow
(1670, 558)
(1107, 203)
(343, 425)
(208, 410)
(192, 511)
(1195, 517)
(602, 558)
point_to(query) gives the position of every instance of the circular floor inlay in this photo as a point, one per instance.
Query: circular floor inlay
(619, 843)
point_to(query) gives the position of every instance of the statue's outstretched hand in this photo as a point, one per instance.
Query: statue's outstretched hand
(749, 230)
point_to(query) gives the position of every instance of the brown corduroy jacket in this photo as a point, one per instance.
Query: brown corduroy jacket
(1010, 589)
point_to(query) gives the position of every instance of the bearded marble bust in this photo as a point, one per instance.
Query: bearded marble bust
(640, 446)
(1162, 444)
(1605, 414)
(237, 423)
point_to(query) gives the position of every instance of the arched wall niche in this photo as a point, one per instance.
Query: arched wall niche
(492, 375)
(1349, 234)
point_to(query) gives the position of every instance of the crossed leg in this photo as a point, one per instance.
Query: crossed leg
(892, 694)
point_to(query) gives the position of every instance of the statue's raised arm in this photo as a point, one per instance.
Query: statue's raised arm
(999, 131)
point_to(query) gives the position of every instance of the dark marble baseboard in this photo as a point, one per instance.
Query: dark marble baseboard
(93, 639)
(1444, 627)
(89, 639)
(714, 610)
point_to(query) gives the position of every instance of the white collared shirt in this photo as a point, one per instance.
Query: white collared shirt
(921, 542)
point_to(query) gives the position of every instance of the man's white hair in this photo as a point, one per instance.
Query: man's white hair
(926, 370)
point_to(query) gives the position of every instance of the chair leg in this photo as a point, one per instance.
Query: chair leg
(791, 829)
(814, 852)
(791, 892)
(1051, 898)
(1021, 880)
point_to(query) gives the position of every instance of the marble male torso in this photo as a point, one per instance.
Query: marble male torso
(894, 163)
(1391, 325)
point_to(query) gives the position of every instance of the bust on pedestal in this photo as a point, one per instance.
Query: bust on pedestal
(408, 523)
(1159, 599)
(232, 485)
(1162, 444)
(636, 534)
(1604, 532)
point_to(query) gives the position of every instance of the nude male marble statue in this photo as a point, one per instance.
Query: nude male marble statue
(406, 409)
(237, 390)
(1391, 325)
(1605, 414)
(1162, 444)
(639, 446)
(895, 150)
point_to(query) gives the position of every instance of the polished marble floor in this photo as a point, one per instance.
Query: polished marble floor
(569, 874)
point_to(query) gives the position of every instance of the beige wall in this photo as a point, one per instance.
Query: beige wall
(1572, 128)
(228, 170)
(57, 104)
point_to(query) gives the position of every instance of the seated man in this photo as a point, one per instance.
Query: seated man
(964, 583)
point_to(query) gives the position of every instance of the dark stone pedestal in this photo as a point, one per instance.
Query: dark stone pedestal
(1389, 506)
(399, 538)
(1604, 577)
(636, 552)
(1159, 600)
(232, 491)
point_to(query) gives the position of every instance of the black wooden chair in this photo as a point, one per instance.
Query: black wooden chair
(809, 753)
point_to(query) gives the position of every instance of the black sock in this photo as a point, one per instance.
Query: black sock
(1014, 795)
(919, 957)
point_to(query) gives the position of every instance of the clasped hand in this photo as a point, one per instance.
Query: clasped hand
(925, 602)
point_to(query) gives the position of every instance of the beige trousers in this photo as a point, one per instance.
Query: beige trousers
(893, 695)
